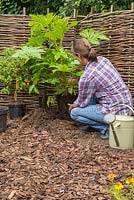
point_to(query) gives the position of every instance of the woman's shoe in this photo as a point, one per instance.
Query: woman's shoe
(86, 128)
(105, 136)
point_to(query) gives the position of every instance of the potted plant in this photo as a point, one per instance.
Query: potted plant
(57, 64)
(62, 67)
(3, 118)
(15, 74)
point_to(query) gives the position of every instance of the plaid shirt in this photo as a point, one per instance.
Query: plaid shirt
(102, 82)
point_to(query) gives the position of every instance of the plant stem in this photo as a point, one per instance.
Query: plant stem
(15, 95)
(15, 92)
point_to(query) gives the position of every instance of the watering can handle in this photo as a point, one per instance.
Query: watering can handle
(115, 136)
(127, 107)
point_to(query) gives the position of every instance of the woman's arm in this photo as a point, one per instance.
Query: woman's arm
(86, 91)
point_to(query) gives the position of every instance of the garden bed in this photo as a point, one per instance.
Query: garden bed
(44, 158)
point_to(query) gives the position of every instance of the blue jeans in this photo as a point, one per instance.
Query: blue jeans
(90, 115)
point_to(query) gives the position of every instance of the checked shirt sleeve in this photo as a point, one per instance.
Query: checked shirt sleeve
(85, 93)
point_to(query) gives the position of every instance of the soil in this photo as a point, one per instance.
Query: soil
(45, 158)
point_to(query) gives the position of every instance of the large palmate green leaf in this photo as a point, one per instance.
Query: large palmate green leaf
(93, 36)
(28, 52)
(40, 21)
(61, 68)
(49, 29)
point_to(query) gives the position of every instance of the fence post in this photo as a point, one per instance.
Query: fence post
(24, 10)
(75, 13)
(47, 10)
(132, 6)
(47, 7)
(92, 10)
(111, 8)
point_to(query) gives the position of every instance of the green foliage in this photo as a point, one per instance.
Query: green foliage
(7, 70)
(62, 65)
(49, 30)
(62, 7)
(27, 53)
(54, 5)
(68, 6)
(84, 6)
(31, 65)
(57, 64)
(36, 7)
(93, 36)
(10, 7)
(51, 100)
(121, 4)
(55, 67)
(16, 70)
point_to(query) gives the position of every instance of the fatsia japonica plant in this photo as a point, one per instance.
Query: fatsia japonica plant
(58, 63)
(93, 36)
(49, 30)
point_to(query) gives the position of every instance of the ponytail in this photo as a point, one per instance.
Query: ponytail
(92, 55)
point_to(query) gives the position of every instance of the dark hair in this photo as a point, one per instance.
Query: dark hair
(83, 47)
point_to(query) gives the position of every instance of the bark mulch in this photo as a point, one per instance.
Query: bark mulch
(44, 158)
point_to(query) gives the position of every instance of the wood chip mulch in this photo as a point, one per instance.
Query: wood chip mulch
(44, 158)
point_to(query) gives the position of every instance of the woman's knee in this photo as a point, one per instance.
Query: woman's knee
(74, 113)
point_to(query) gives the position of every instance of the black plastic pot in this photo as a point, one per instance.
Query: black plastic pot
(3, 119)
(17, 110)
(43, 101)
(63, 109)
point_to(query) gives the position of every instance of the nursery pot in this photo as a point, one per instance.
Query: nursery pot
(43, 101)
(16, 110)
(62, 101)
(124, 129)
(3, 119)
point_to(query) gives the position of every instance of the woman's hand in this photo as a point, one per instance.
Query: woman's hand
(71, 106)
(72, 80)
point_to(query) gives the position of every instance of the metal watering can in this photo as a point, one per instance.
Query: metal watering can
(121, 134)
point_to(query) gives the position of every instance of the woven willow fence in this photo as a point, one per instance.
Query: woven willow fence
(14, 31)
